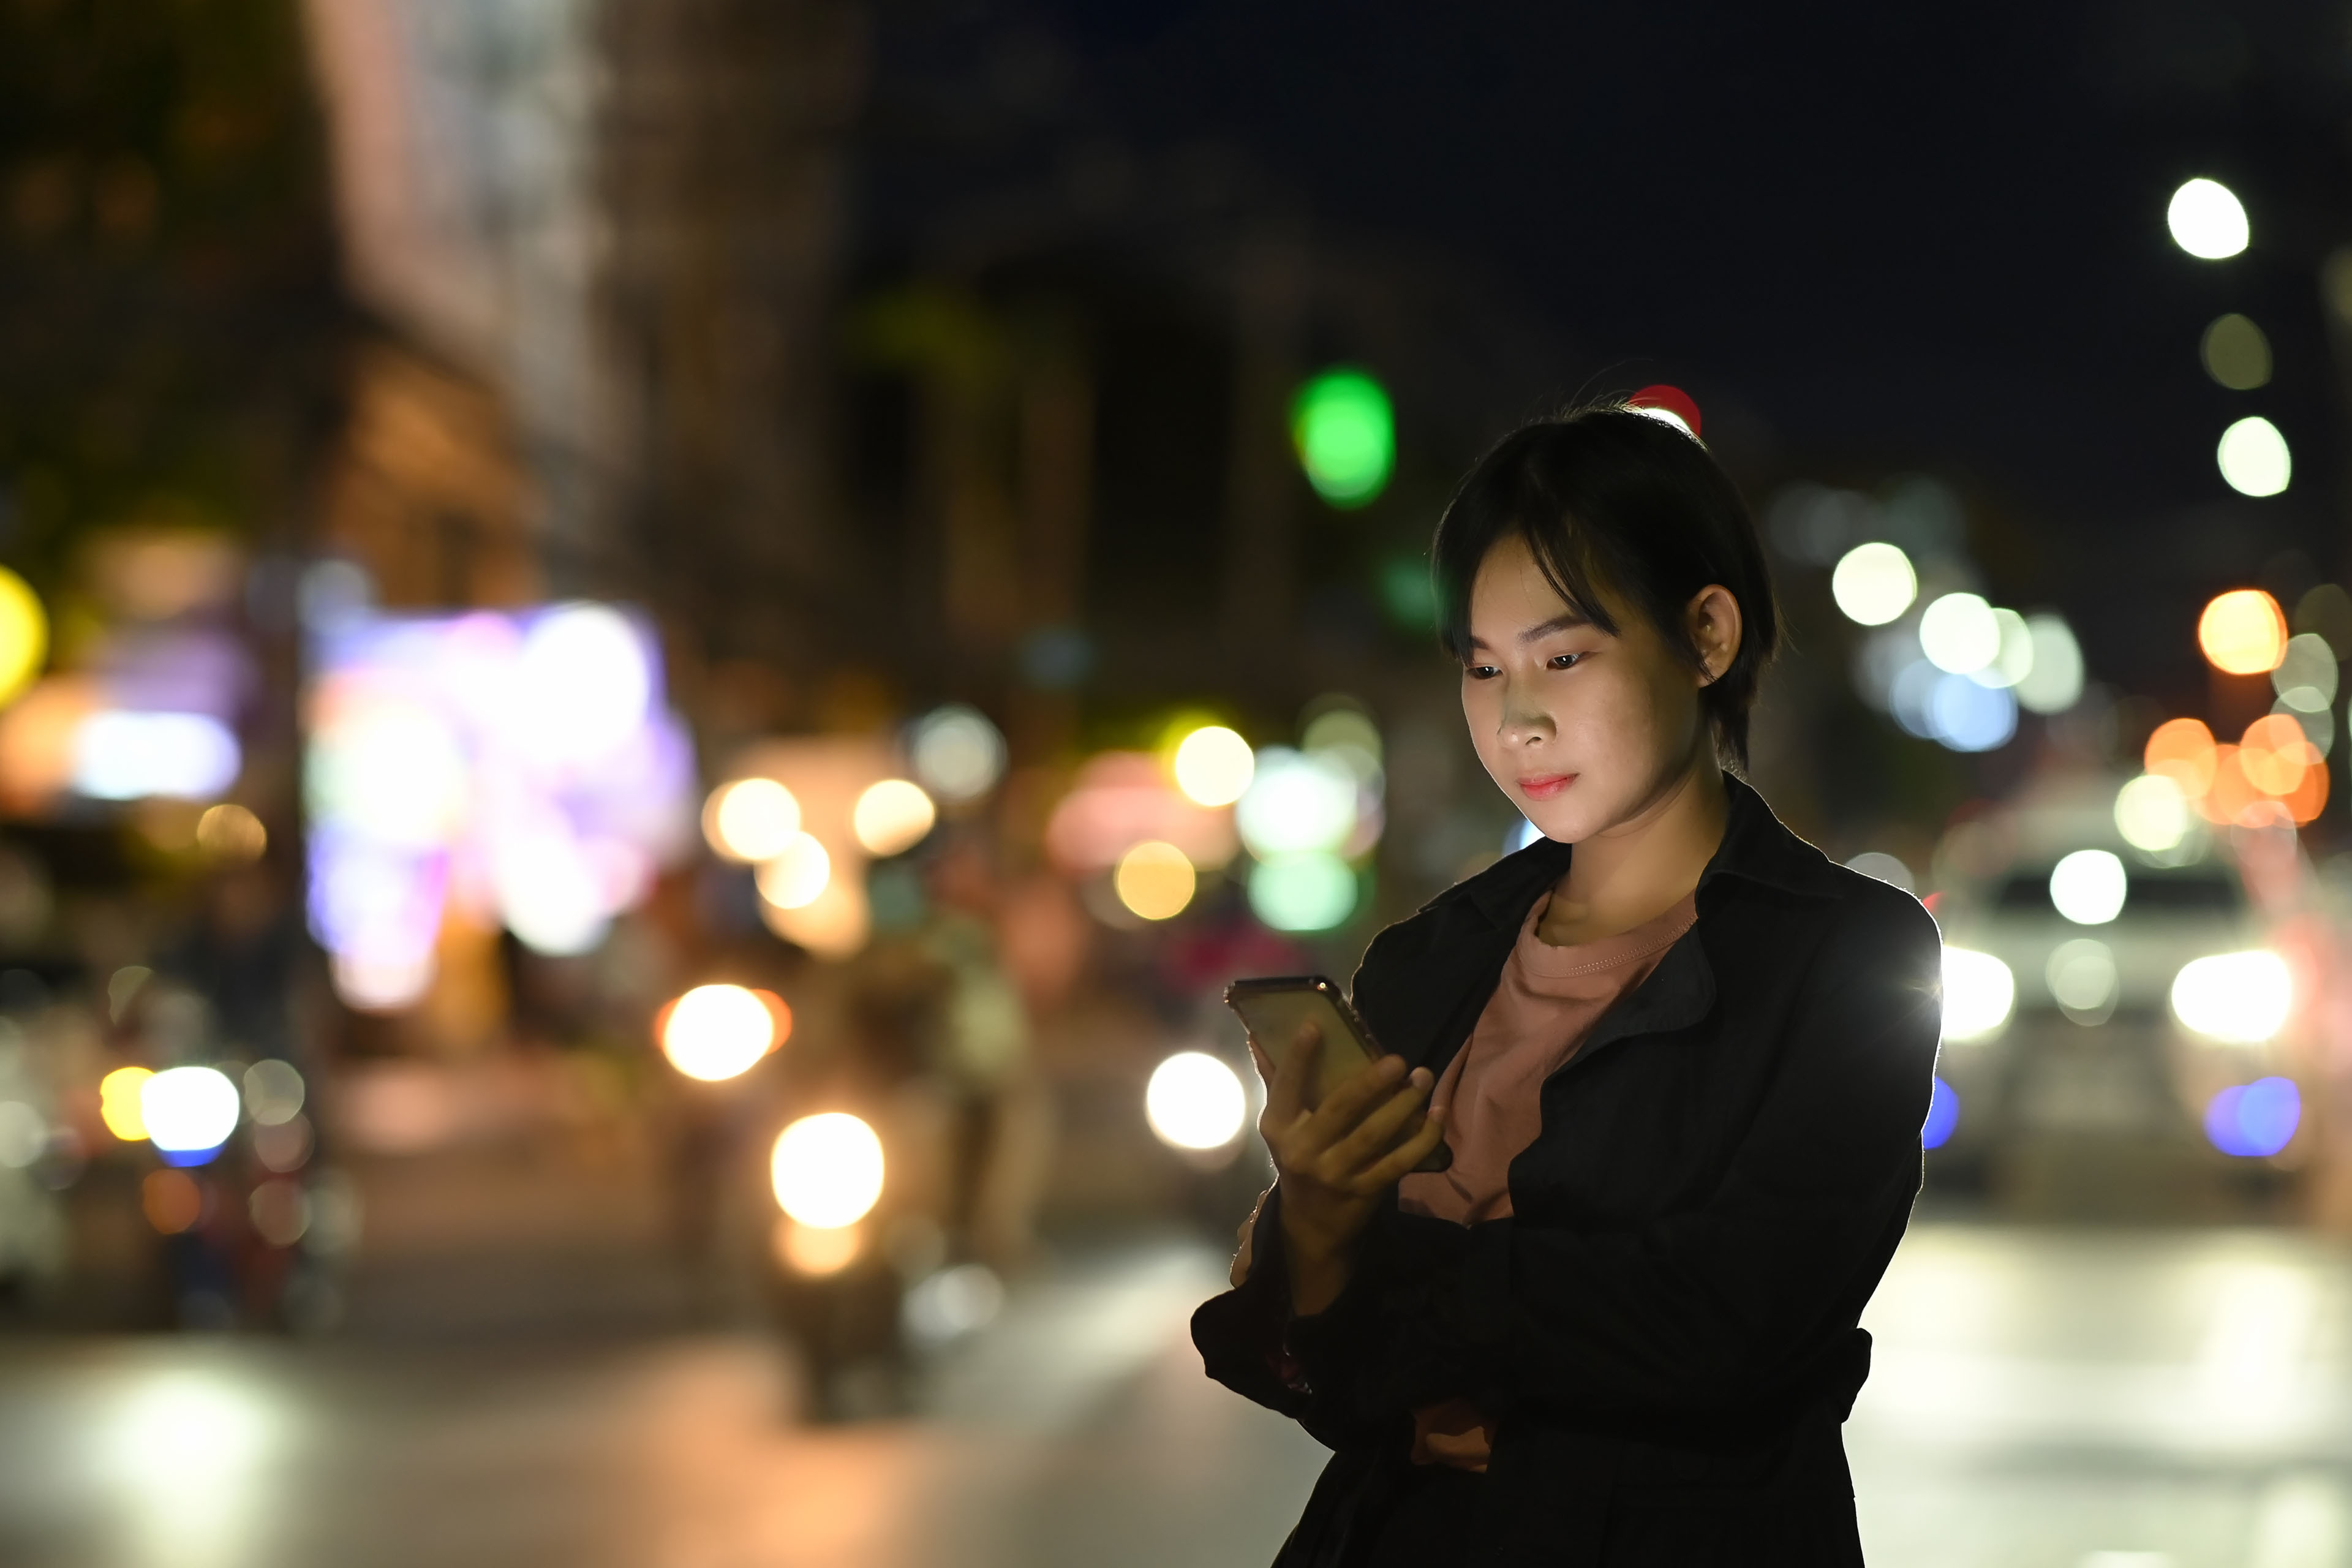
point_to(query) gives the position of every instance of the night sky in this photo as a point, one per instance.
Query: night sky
(1869, 237)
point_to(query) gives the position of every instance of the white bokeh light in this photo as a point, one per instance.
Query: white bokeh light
(1960, 633)
(1195, 1101)
(2207, 220)
(826, 1170)
(2253, 458)
(2089, 887)
(189, 1110)
(1873, 583)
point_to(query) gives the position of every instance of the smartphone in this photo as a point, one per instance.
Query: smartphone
(1273, 1009)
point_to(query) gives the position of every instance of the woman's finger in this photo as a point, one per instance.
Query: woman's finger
(1352, 1099)
(1381, 1127)
(1400, 1162)
(1286, 1096)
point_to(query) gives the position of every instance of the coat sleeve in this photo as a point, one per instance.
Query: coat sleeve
(1250, 1342)
(1735, 1302)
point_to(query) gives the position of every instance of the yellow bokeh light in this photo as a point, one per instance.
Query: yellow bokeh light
(1213, 766)
(892, 816)
(833, 925)
(2244, 632)
(2182, 751)
(118, 1102)
(230, 832)
(718, 1032)
(1154, 880)
(2276, 754)
(816, 1250)
(23, 634)
(796, 873)
(751, 820)
(826, 1170)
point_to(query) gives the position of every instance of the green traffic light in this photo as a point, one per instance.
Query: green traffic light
(1346, 436)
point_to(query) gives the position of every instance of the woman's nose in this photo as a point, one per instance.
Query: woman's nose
(1523, 723)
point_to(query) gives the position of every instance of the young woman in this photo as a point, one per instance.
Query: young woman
(1681, 1058)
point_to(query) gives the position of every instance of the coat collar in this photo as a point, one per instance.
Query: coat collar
(1756, 848)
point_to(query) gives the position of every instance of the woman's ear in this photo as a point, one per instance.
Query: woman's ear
(1713, 620)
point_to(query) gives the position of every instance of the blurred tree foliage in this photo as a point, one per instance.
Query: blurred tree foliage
(168, 314)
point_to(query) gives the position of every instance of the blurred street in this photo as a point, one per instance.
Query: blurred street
(2041, 1399)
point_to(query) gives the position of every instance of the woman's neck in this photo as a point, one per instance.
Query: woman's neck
(1629, 874)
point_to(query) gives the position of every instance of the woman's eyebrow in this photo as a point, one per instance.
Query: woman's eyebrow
(1565, 621)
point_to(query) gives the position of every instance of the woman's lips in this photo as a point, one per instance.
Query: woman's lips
(1543, 786)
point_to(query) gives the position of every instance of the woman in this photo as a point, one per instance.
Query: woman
(1681, 1058)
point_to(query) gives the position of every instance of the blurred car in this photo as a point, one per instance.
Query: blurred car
(2094, 993)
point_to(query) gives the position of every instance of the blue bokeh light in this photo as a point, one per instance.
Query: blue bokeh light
(1971, 717)
(1943, 1116)
(2254, 1121)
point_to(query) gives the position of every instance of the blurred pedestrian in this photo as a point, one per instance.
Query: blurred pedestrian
(1681, 1058)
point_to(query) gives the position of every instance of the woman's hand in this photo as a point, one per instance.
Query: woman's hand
(1336, 1161)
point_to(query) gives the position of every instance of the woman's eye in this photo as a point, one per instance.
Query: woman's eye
(1562, 661)
(1480, 671)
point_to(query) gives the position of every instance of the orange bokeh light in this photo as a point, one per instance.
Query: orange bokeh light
(2244, 632)
(2183, 750)
(2231, 792)
(2275, 755)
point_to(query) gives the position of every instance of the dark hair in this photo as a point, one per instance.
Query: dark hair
(1608, 497)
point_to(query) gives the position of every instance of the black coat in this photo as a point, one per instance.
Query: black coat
(1666, 1330)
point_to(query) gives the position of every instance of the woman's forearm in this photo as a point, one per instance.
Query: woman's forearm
(1317, 1276)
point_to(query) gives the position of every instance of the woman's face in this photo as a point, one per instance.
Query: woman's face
(1582, 730)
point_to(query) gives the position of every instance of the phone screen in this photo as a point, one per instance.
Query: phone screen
(1275, 1010)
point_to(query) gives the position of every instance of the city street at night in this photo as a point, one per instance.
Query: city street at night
(2169, 1399)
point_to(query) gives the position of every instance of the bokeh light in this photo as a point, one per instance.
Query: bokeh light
(2236, 354)
(751, 820)
(1297, 802)
(2254, 1121)
(1195, 1101)
(229, 832)
(279, 1211)
(1307, 890)
(118, 1102)
(1943, 1116)
(826, 1170)
(796, 874)
(1969, 716)
(23, 634)
(2253, 458)
(2242, 632)
(1960, 633)
(2083, 979)
(2183, 750)
(892, 816)
(833, 925)
(1979, 993)
(2306, 675)
(1154, 880)
(1873, 583)
(1213, 766)
(1344, 433)
(2207, 220)
(189, 1110)
(2238, 998)
(2152, 813)
(2012, 658)
(718, 1032)
(172, 1200)
(816, 1250)
(2053, 681)
(2089, 886)
(273, 1092)
(1668, 405)
(956, 752)
(2276, 754)
(584, 684)
(127, 754)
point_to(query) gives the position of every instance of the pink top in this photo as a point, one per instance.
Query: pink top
(1542, 1010)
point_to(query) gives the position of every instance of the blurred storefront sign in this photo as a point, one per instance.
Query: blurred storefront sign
(518, 768)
